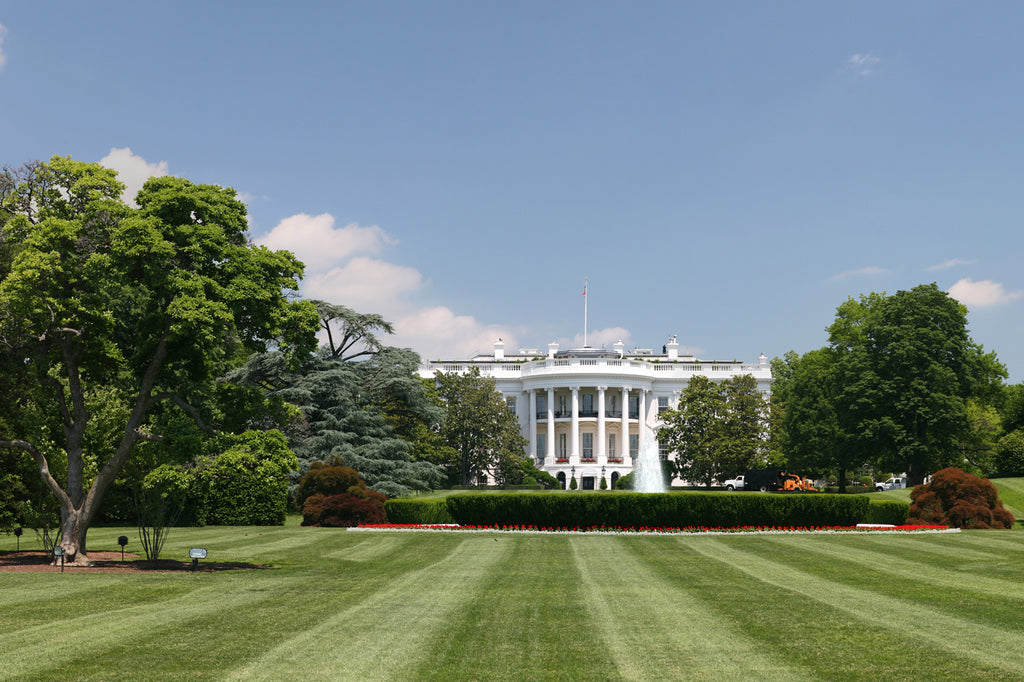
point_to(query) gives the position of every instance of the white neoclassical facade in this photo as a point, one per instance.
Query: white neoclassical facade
(586, 412)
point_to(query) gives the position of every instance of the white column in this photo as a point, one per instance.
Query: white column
(625, 427)
(533, 424)
(549, 456)
(602, 440)
(642, 421)
(574, 452)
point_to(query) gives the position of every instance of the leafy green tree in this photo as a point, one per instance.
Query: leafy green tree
(365, 413)
(717, 430)
(148, 304)
(907, 369)
(693, 431)
(815, 437)
(481, 429)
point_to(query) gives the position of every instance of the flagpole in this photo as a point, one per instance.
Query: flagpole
(584, 312)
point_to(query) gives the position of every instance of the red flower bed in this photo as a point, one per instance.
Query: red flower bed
(647, 529)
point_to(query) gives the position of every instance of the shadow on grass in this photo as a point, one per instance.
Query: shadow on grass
(104, 562)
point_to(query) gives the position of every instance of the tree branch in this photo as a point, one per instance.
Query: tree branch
(44, 467)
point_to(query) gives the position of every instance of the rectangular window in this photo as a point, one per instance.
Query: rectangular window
(588, 405)
(510, 401)
(611, 444)
(634, 445)
(561, 446)
(588, 446)
(542, 406)
(634, 407)
(542, 445)
(662, 403)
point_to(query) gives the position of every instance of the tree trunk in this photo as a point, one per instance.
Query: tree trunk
(74, 526)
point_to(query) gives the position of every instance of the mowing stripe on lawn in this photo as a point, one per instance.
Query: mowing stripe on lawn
(383, 636)
(985, 644)
(890, 564)
(623, 592)
(530, 620)
(66, 639)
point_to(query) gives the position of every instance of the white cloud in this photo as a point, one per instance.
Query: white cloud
(983, 294)
(868, 271)
(321, 246)
(132, 170)
(440, 334)
(862, 64)
(951, 263)
(599, 338)
(366, 284)
(3, 57)
(340, 269)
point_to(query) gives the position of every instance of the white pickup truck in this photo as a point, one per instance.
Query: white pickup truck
(734, 483)
(892, 484)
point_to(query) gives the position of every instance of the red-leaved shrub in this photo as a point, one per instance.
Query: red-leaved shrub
(959, 499)
(333, 495)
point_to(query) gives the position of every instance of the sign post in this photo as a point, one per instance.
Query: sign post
(196, 553)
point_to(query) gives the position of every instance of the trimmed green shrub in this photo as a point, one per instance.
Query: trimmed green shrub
(248, 482)
(957, 498)
(664, 510)
(404, 510)
(887, 511)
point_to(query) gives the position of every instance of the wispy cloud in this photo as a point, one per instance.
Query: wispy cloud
(862, 64)
(951, 263)
(868, 271)
(3, 57)
(983, 294)
(340, 269)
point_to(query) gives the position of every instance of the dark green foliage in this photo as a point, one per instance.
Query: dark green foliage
(956, 498)
(625, 482)
(248, 482)
(481, 430)
(364, 413)
(415, 511)
(665, 510)
(331, 494)
(717, 431)
(1010, 454)
(892, 389)
(887, 511)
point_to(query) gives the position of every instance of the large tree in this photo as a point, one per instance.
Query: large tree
(145, 305)
(361, 403)
(481, 428)
(907, 368)
(717, 430)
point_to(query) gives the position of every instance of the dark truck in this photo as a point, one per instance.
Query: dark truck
(764, 480)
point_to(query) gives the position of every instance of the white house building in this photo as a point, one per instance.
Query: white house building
(586, 412)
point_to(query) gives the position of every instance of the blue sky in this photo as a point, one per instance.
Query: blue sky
(729, 172)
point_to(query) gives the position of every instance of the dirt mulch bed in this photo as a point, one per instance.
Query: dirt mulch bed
(110, 562)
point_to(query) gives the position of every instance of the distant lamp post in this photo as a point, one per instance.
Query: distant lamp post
(17, 533)
(122, 540)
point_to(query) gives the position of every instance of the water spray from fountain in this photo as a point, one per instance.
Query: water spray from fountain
(647, 477)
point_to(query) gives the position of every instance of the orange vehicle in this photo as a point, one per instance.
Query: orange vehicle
(795, 482)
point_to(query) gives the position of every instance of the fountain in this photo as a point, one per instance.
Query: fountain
(647, 476)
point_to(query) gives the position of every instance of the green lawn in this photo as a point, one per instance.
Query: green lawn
(345, 605)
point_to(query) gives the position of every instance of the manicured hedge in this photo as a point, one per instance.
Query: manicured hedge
(887, 511)
(664, 510)
(403, 510)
